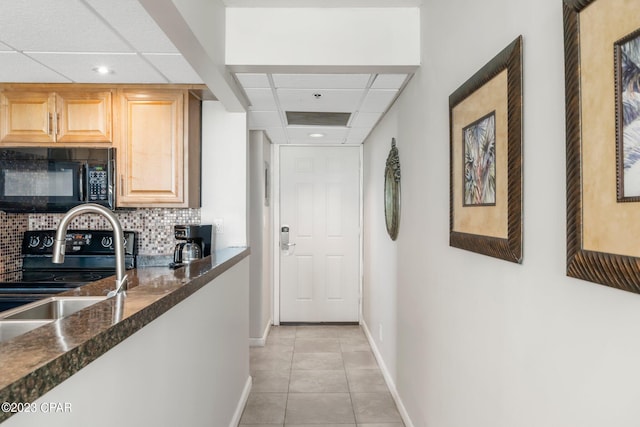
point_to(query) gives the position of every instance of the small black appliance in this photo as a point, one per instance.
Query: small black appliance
(45, 179)
(194, 242)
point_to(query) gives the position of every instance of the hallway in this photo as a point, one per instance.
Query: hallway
(317, 376)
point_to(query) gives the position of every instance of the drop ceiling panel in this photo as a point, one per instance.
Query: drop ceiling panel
(261, 99)
(264, 119)
(377, 101)
(354, 140)
(4, 47)
(56, 26)
(361, 132)
(134, 23)
(251, 80)
(174, 67)
(364, 97)
(321, 81)
(357, 136)
(319, 141)
(78, 67)
(297, 133)
(338, 101)
(388, 81)
(365, 120)
(277, 135)
(17, 68)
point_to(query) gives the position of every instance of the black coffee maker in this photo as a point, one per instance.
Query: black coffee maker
(194, 243)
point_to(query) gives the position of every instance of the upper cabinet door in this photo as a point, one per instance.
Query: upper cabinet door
(83, 116)
(151, 149)
(27, 117)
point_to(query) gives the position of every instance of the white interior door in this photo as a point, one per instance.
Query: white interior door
(320, 206)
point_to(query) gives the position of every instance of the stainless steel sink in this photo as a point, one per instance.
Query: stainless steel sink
(50, 308)
(12, 328)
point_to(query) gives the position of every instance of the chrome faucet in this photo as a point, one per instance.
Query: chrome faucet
(118, 240)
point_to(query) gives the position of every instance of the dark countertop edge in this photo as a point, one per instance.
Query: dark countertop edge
(44, 378)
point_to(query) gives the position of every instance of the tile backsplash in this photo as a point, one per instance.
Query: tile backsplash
(154, 227)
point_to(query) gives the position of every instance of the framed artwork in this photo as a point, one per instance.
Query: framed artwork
(479, 157)
(602, 81)
(392, 191)
(627, 71)
(485, 119)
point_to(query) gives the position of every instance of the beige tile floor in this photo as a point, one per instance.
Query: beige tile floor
(318, 376)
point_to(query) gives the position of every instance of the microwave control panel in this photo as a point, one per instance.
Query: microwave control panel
(98, 183)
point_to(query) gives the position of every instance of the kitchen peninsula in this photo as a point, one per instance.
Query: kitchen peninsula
(176, 353)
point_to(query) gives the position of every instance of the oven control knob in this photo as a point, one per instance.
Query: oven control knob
(107, 242)
(34, 241)
(48, 241)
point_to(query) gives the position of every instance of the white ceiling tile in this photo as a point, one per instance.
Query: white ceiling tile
(174, 67)
(317, 141)
(321, 81)
(21, 69)
(261, 99)
(4, 47)
(56, 26)
(251, 80)
(357, 136)
(78, 67)
(302, 132)
(359, 132)
(339, 101)
(365, 120)
(277, 135)
(355, 140)
(388, 81)
(264, 119)
(133, 22)
(378, 100)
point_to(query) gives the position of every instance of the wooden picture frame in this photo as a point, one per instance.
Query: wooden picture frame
(602, 235)
(494, 228)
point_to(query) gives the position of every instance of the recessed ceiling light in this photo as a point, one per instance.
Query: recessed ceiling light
(103, 70)
(316, 135)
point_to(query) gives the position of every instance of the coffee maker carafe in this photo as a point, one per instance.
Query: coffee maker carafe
(194, 243)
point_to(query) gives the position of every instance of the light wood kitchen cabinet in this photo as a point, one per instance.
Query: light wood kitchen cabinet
(46, 117)
(158, 148)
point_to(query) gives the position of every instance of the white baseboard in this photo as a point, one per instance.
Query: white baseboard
(260, 342)
(387, 377)
(242, 403)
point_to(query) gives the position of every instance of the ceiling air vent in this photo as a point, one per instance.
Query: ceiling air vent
(310, 118)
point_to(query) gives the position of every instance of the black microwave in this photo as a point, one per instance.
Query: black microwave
(42, 179)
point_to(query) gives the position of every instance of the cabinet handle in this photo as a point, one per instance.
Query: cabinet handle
(48, 123)
(55, 124)
(121, 184)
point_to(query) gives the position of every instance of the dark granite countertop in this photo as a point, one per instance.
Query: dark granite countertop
(34, 363)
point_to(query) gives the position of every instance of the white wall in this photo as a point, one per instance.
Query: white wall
(224, 173)
(259, 238)
(189, 367)
(322, 36)
(479, 341)
(380, 262)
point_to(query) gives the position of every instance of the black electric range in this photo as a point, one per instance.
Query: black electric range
(89, 256)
